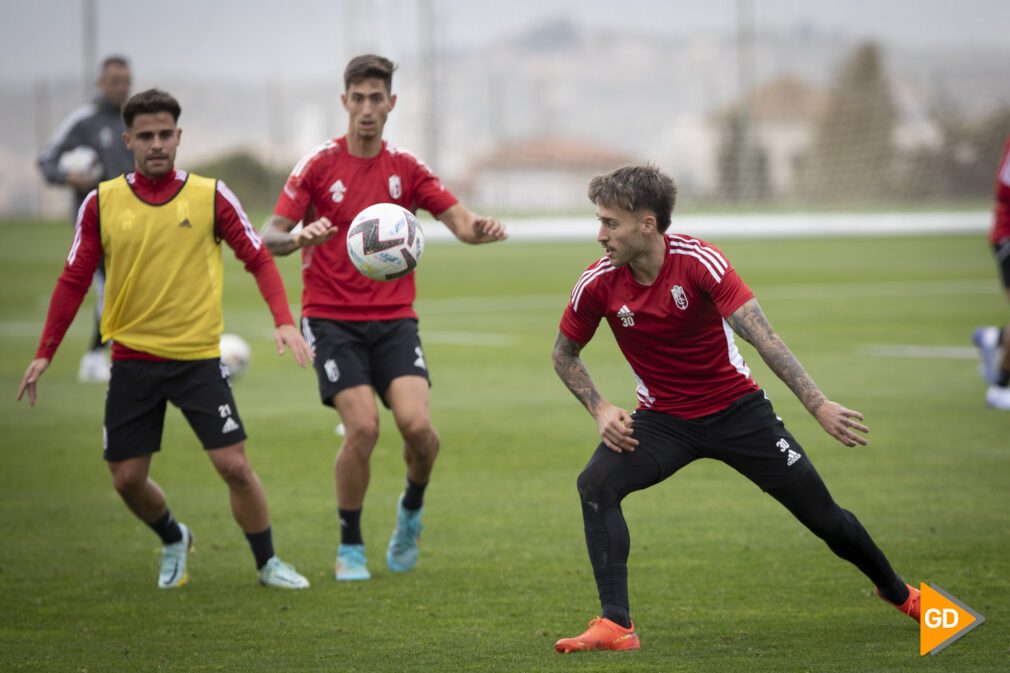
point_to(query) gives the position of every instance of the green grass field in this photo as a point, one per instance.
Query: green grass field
(722, 579)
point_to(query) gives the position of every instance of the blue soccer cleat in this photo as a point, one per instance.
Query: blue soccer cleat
(351, 563)
(402, 553)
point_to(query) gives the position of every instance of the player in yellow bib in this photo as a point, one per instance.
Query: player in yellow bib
(160, 230)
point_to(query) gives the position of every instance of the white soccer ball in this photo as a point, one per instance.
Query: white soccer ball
(235, 354)
(83, 160)
(385, 241)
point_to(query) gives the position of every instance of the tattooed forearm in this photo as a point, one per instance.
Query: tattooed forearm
(573, 372)
(277, 236)
(750, 323)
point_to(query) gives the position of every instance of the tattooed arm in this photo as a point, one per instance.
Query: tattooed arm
(613, 423)
(750, 323)
(280, 241)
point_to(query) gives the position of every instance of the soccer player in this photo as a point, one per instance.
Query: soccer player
(160, 230)
(673, 303)
(994, 342)
(99, 126)
(365, 332)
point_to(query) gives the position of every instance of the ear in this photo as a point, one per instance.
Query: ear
(178, 136)
(343, 100)
(649, 225)
(126, 139)
(392, 102)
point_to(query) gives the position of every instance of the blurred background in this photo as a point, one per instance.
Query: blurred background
(771, 105)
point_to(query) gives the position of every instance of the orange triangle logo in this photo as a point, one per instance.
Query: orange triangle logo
(944, 619)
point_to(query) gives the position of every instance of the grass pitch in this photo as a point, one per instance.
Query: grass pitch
(722, 579)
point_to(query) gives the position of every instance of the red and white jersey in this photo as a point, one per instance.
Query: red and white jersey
(1001, 220)
(330, 182)
(673, 333)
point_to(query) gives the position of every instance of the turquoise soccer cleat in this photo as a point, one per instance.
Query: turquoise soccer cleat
(351, 563)
(402, 553)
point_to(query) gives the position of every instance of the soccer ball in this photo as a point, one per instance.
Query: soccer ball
(82, 159)
(385, 241)
(235, 354)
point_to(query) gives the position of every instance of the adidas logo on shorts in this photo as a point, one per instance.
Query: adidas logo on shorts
(229, 426)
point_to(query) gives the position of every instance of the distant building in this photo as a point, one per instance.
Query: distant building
(543, 174)
(784, 114)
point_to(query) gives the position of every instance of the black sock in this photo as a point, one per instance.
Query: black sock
(167, 528)
(350, 526)
(262, 545)
(413, 495)
(896, 592)
(1003, 378)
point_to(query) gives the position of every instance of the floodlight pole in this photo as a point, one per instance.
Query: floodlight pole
(89, 44)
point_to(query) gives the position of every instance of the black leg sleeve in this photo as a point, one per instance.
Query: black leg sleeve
(808, 500)
(603, 484)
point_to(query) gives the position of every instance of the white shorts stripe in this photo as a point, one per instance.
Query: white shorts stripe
(703, 260)
(246, 224)
(72, 255)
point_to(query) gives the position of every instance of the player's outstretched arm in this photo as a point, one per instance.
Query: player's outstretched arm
(280, 241)
(750, 323)
(613, 423)
(471, 228)
(31, 378)
(287, 335)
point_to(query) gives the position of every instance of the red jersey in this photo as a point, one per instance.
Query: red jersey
(1001, 220)
(86, 251)
(673, 333)
(330, 182)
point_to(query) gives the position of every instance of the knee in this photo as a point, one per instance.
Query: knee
(127, 481)
(360, 435)
(236, 471)
(418, 433)
(835, 524)
(590, 484)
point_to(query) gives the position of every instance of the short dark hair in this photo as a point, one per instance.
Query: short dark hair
(115, 59)
(151, 101)
(369, 66)
(635, 188)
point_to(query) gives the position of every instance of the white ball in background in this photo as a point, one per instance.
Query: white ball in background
(235, 354)
(82, 160)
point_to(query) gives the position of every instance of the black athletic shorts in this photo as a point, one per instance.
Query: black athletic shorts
(135, 405)
(372, 352)
(746, 435)
(1002, 251)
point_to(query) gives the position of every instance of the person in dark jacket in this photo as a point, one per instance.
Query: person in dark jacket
(86, 148)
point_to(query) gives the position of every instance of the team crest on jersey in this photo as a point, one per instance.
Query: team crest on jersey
(395, 188)
(679, 297)
(338, 190)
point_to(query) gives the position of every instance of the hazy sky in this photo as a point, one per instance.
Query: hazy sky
(304, 39)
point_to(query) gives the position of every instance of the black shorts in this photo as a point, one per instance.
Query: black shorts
(1002, 251)
(135, 405)
(372, 352)
(747, 435)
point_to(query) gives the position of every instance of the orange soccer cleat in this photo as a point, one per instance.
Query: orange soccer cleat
(911, 605)
(602, 634)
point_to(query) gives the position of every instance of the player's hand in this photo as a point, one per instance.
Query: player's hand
(614, 425)
(287, 335)
(488, 230)
(31, 377)
(315, 233)
(841, 423)
(81, 181)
